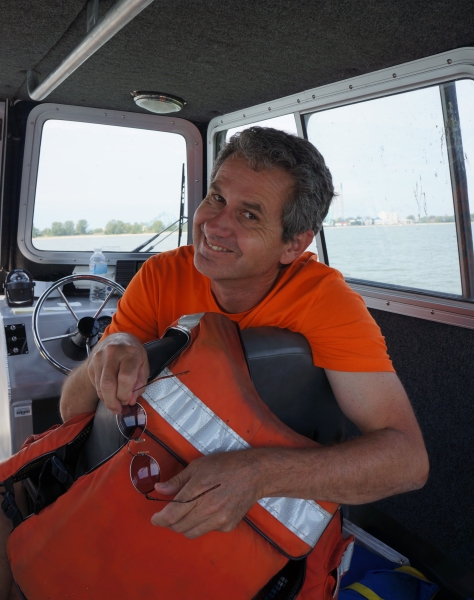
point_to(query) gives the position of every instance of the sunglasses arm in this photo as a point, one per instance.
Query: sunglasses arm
(182, 501)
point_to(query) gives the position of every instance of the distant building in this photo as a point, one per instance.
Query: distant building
(386, 218)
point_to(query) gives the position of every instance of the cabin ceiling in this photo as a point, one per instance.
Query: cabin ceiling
(222, 55)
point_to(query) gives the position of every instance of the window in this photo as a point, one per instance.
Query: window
(393, 219)
(285, 123)
(108, 187)
(400, 145)
(121, 187)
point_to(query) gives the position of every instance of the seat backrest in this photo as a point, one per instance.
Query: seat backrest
(282, 370)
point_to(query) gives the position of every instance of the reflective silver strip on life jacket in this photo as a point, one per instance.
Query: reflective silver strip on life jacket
(189, 322)
(209, 434)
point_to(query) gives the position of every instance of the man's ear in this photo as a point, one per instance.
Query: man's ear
(295, 248)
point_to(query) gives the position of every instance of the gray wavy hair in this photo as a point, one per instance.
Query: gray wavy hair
(313, 190)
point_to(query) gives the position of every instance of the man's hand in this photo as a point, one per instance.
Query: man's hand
(117, 367)
(240, 475)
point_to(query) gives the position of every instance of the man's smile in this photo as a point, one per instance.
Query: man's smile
(216, 248)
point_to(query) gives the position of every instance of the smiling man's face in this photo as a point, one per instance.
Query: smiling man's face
(237, 228)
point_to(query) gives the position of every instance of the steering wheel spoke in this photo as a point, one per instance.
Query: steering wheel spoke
(102, 306)
(71, 310)
(59, 337)
(85, 332)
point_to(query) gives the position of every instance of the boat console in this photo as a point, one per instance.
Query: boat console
(30, 386)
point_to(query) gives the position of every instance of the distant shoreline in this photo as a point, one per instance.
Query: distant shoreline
(378, 226)
(101, 235)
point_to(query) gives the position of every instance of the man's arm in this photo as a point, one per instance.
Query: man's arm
(389, 458)
(115, 369)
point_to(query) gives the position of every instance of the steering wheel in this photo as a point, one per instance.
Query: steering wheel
(85, 332)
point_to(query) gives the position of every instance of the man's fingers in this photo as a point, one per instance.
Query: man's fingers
(116, 370)
(142, 379)
(171, 514)
(172, 487)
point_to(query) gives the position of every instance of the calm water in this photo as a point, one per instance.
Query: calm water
(419, 256)
(108, 243)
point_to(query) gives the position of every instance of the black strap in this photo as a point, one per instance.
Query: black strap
(54, 480)
(9, 505)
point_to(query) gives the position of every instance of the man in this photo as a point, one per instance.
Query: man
(268, 196)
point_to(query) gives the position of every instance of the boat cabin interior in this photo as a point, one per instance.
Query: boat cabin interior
(111, 114)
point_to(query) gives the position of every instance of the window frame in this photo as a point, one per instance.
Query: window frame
(430, 71)
(45, 112)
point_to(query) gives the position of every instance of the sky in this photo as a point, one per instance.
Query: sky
(387, 154)
(103, 172)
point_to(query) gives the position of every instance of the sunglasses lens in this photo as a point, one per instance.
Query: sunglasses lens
(144, 473)
(132, 421)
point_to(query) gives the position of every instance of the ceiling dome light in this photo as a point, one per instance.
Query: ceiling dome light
(156, 102)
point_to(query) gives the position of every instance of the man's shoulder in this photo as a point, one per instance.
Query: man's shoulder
(182, 257)
(307, 267)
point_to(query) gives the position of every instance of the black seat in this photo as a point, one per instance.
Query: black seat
(282, 370)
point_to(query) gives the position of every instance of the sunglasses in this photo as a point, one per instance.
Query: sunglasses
(144, 469)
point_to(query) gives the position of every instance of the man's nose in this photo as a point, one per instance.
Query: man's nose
(221, 223)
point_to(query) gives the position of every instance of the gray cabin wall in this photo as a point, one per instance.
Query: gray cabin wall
(435, 364)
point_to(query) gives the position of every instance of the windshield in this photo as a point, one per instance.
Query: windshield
(118, 188)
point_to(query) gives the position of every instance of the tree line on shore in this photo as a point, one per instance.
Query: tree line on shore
(113, 227)
(410, 218)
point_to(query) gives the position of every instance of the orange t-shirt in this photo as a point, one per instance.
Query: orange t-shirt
(308, 297)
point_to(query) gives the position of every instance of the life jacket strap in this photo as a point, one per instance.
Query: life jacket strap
(54, 480)
(9, 505)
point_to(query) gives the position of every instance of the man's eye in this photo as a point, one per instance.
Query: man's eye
(218, 198)
(250, 216)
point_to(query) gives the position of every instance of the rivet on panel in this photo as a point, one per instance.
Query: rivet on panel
(269, 108)
(314, 96)
(394, 75)
(350, 87)
(388, 303)
(432, 312)
(244, 115)
(298, 101)
(449, 61)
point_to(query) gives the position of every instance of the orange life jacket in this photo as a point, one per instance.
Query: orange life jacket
(96, 540)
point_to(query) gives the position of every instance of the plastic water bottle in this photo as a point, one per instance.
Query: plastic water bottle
(98, 266)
